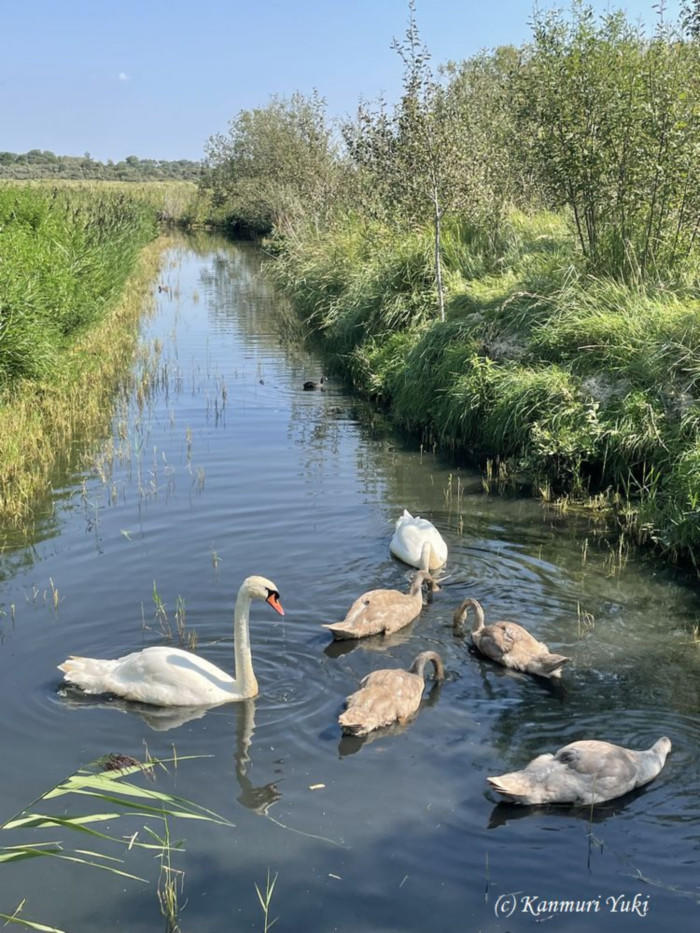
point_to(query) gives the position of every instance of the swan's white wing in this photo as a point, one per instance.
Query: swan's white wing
(161, 676)
(410, 536)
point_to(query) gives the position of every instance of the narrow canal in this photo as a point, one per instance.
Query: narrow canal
(219, 466)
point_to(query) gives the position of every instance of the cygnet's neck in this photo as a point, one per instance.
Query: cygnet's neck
(425, 657)
(460, 617)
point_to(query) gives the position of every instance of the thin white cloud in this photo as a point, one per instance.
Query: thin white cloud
(123, 76)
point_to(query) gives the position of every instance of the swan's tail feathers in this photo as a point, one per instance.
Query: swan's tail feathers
(340, 630)
(551, 664)
(514, 786)
(405, 517)
(90, 674)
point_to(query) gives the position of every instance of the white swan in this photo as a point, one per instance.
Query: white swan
(411, 535)
(166, 676)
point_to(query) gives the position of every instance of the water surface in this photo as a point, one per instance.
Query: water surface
(219, 466)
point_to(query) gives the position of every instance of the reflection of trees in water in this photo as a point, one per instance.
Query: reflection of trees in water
(237, 289)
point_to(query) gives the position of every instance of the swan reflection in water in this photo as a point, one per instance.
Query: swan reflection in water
(264, 796)
(337, 648)
(162, 718)
(504, 813)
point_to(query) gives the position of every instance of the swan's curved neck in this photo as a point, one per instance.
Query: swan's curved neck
(425, 657)
(652, 760)
(460, 616)
(246, 684)
(420, 578)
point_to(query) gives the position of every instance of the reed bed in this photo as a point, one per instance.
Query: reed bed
(76, 265)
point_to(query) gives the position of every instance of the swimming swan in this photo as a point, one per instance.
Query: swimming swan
(388, 696)
(583, 773)
(509, 643)
(383, 611)
(409, 538)
(166, 676)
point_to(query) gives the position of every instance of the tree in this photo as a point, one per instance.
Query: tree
(690, 18)
(276, 165)
(614, 134)
(415, 158)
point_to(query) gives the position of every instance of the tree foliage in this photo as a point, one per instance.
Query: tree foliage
(594, 117)
(614, 126)
(414, 162)
(275, 165)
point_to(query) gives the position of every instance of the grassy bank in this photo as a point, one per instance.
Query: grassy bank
(576, 384)
(75, 263)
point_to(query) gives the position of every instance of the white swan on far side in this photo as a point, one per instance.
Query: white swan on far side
(165, 676)
(411, 535)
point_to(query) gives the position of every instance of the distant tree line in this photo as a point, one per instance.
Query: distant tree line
(38, 163)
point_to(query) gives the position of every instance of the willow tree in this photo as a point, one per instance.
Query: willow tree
(613, 121)
(276, 165)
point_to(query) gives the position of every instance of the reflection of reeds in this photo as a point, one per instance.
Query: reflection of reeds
(585, 621)
(495, 477)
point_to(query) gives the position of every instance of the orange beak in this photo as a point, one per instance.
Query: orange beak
(274, 600)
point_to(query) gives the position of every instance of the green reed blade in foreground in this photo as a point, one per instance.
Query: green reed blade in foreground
(125, 799)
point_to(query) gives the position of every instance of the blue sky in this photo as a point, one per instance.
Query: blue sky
(155, 78)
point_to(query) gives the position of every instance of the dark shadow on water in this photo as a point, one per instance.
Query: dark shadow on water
(504, 813)
(341, 646)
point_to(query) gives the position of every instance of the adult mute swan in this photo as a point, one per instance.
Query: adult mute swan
(509, 643)
(166, 676)
(388, 696)
(383, 611)
(583, 773)
(411, 536)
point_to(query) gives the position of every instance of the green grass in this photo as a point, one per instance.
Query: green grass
(66, 256)
(578, 384)
(76, 262)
